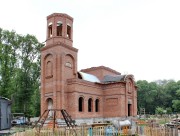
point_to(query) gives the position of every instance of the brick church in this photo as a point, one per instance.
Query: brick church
(92, 94)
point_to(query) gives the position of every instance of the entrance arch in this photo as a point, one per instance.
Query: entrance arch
(50, 106)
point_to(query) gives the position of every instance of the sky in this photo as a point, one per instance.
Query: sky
(139, 37)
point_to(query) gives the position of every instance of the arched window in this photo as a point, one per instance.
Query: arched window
(81, 104)
(97, 105)
(59, 28)
(50, 30)
(68, 31)
(90, 105)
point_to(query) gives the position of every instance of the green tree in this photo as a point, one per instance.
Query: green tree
(161, 93)
(170, 89)
(160, 110)
(169, 110)
(8, 59)
(20, 70)
(176, 103)
(147, 93)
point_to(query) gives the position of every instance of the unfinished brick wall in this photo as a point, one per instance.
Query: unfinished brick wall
(60, 83)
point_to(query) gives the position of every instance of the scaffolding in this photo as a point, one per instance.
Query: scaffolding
(45, 116)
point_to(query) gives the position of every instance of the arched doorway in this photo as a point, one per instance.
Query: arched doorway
(129, 107)
(50, 106)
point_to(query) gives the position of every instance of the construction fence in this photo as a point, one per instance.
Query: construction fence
(101, 131)
(157, 131)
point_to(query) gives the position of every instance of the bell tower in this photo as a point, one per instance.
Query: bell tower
(58, 61)
(59, 29)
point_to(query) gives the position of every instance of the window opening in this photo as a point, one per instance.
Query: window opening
(50, 106)
(50, 31)
(68, 32)
(81, 104)
(129, 109)
(59, 29)
(97, 105)
(90, 105)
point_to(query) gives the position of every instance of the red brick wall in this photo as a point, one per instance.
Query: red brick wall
(79, 88)
(113, 99)
(59, 80)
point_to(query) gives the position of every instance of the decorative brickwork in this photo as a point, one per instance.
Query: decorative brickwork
(62, 87)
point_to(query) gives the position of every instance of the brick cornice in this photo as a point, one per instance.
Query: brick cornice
(61, 15)
(59, 37)
(59, 44)
(96, 85)
(74, 91)
(100, 67)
